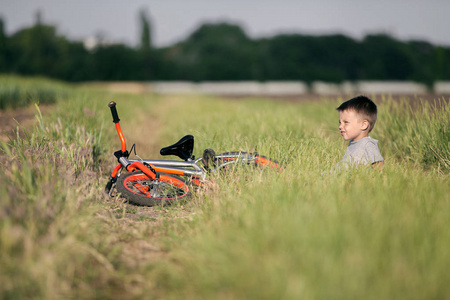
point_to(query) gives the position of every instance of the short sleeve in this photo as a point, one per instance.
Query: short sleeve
(372, 153)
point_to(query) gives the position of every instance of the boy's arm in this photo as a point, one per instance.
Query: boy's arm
(378, 165)
(373, 154)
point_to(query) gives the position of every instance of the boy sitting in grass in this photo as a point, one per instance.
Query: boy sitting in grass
(357, 118)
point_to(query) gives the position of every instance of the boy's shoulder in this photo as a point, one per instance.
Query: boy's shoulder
(363, 143)
(370, 142)
(365, 150)
(372, 152)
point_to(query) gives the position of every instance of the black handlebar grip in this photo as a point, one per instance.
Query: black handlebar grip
(112, 106)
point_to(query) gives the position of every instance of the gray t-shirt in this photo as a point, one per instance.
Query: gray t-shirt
(361, 152)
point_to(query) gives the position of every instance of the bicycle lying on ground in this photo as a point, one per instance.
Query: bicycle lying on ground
(151, 182)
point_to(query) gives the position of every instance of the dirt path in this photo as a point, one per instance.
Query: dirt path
(143, 129)
(23, 118)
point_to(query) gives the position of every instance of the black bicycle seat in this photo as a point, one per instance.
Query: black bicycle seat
(183, 148)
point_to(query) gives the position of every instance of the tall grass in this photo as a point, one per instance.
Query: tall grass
(418, 134)
(299, 233)
(18, 92)
(55, 230)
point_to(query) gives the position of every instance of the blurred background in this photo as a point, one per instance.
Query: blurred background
(285, 47)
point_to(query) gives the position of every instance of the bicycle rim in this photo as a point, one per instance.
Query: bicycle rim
(140, 189)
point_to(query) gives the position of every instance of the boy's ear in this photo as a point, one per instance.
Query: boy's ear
(365, 125)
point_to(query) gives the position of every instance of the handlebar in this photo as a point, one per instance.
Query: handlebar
(112, 106)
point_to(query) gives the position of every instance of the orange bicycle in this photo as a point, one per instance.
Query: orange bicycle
(151, 182)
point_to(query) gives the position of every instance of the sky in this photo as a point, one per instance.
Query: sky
(174, 20)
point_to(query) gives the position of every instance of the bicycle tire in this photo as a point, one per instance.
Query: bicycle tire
(137, 188)
(259, 161)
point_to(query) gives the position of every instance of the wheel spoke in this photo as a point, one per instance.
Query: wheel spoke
(165, 188)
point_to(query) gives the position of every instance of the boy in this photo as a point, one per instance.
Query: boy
(357, 118)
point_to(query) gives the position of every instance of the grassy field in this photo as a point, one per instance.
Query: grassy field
(18, 92)
(300, 233)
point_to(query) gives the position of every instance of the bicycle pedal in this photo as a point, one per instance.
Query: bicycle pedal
(208, 157)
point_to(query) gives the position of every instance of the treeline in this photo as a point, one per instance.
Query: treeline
(223, 52)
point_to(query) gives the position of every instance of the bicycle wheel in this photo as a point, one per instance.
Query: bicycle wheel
(137, 188)
(245, 158)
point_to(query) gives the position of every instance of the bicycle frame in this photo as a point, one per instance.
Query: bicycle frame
(190, 168)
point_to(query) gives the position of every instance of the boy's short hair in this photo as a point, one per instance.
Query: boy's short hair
(364, 107)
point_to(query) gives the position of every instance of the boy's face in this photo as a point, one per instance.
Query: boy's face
(351, 126)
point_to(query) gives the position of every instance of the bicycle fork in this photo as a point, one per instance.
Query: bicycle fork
(122, 156)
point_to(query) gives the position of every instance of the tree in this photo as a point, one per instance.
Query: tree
(146, 34)
(215, 52)
(114, 62)
(223, 51)
(386, 58)
(35, 50)
(39, 50)
(145, 54)
(3, 48)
